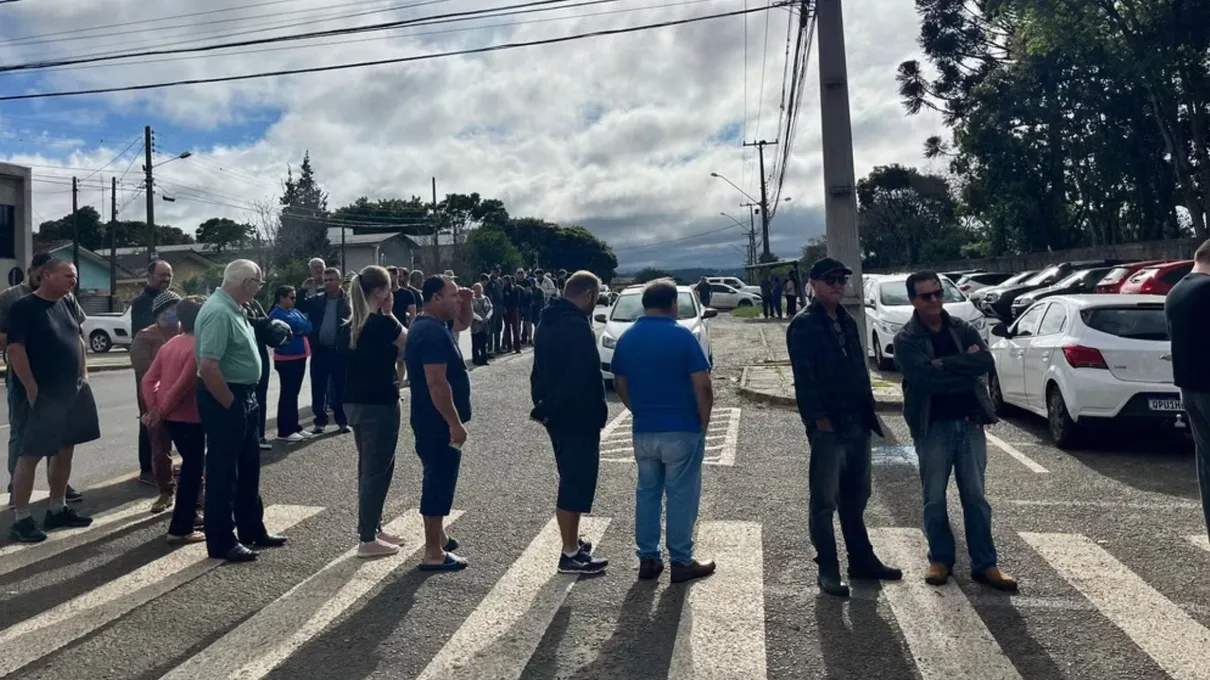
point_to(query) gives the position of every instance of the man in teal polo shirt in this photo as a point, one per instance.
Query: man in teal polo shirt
(229, 369)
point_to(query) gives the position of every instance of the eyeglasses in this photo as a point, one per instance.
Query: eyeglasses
(836, 280)
(930, 295)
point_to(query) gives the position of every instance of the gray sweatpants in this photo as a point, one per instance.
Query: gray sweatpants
(376, 433)
(1197, 407)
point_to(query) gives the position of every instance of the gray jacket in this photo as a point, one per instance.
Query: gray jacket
(924, 376)
(482, 307)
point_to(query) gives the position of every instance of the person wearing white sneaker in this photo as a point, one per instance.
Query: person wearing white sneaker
(376, 340)
(290, 362)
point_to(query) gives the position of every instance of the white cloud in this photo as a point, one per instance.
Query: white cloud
(619, 133)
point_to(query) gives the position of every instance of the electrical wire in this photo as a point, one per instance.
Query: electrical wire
(760, 97)
(674, 240)
(382, 62)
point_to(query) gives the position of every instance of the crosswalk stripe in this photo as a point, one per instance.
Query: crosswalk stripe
(261, 643)
(1012, 451)
(20, 555)
(54, 629)
(1201, 541)
(1173, 639)
(943, 631)
(722, 634)
(37, 496)
(497, 640)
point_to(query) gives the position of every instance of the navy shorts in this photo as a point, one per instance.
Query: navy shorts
(578, 459)
(441, 463)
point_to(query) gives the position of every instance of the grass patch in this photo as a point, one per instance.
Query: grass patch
(750, 312)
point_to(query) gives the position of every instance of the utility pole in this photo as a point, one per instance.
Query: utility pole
(766, 256)
(840, 202)
(113, 243)
(75, 228)
(436, 232)
(151, 255)
(752, 210)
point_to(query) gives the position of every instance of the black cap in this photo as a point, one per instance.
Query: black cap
(828, 265)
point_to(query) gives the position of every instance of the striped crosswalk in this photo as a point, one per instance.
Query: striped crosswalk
(722, 629)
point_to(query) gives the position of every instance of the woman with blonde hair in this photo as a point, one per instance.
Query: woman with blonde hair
(376, 341)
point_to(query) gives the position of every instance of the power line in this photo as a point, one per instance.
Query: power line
(760, 97)
(383, 62)
(674, 240)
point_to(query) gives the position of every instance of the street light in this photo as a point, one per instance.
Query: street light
(718, 176)
(181, 156)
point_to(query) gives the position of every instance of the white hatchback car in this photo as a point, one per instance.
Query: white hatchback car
(887, 308)
(1076, 359)
(629, 307)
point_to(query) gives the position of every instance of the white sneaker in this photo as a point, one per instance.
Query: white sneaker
(294, 438)
(304, 434)
(376, 548)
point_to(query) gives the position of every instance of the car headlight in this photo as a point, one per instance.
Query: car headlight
(991, 297)
(608, 341)
(889, 327)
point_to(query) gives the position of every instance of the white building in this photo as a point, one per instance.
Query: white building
(16, 221)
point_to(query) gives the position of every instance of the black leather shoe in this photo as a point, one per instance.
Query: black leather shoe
(267, 541)
(831, 584)
(874, 569)
(240, 553)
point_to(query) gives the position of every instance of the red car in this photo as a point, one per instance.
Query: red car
(1157, 280)
(1117, 277)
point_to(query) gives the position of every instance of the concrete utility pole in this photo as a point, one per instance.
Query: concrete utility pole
(436, 232)
(113, 243)
(766, 256)
(840, 201)
(75, 228)
(752, 209)
(150, 194)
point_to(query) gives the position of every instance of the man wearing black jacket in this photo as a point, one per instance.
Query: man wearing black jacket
(569, 399)
(159, 279)
(329, 339)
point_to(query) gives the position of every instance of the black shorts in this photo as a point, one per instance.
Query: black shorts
(441, 463)
(578, 459)
(56, 422)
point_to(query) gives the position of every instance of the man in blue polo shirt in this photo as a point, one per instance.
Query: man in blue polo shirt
(663, 377)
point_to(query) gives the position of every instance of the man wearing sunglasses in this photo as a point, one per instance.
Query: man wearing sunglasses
(836, 403)
(944, 362)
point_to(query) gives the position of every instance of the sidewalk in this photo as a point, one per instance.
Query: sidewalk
(772, 381)
(110, 361)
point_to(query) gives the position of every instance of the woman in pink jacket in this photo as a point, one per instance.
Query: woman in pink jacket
(169, 390)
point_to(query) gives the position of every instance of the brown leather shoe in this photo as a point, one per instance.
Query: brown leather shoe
(688, 572)
(649, 570)
(938, 574)
(997, 579)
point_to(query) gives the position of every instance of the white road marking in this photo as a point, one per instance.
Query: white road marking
(1201, 541)
(43, 494)
(722, 630)
(943, 631)
(37, 496)
(261, 643)
(1012, 451)
(722, 439)
(20, 555)
(56, 628)
(497, 640)
(1173, 639)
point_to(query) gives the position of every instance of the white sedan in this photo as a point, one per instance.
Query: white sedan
(629, 307)
(1077, 359)
(887, 309)
(723, 296)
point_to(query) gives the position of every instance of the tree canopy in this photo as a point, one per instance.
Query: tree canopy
(95, 234)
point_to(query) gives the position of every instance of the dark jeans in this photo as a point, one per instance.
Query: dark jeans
(1197, 407)
(376, 434)
(839, 483)
(14, 432)
(791, 305)
(497, 326)
(441, 463)
(512, 333)
(957, 445)
(766, 303)
(290, 374)
(776, 301)
(479, 347)
(190, 441)
(144, 448)
(262, 391)
(232, 469)
(328, 365)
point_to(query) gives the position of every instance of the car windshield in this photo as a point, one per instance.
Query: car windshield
(1017, 278)
(894, 293)
(1043, 276)
(1136, 323)
(630, 307)
(1071, 280)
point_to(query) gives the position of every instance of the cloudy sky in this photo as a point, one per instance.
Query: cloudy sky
(618, 133)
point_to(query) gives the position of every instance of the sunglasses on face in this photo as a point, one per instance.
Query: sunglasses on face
(836, 280)
(929, 295)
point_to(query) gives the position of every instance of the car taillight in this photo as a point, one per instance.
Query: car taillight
(1084, 357)
(964, 287)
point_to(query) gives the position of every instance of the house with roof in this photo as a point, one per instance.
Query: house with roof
(95, 276)
(188, 260)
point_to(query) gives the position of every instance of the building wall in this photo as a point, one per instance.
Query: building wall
(397, 252)
(16, 202)
(1172, 249)
(94, 277)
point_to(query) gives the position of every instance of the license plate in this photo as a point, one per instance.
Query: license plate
(1164, 404)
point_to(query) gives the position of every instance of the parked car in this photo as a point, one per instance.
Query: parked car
(887, 308)
(970, 283)
(1000, 302)
(1080, 282)
(1080, 359)
(606, 296)
(981, 298)
(959, 273)
(1157, 280)
(735, 282)
(629, 307)
(1113, 281)
(723, 296)
(104, 331)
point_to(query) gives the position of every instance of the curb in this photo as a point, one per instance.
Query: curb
(880, 405)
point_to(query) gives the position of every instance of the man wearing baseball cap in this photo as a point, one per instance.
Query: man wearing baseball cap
(836, 403)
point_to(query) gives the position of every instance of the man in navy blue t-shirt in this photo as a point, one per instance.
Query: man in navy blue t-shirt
(441, 403)
(663, 377)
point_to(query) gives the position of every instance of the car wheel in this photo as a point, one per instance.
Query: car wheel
(883, 363)
(99, 342)
(1063, 430)
(745, 303)
(997, 395)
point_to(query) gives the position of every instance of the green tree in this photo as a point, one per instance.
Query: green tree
(906, 217)
(223, 233)
(205, 282)
(815, 248)
(92, 235)
(550, 246)
(489, 246)
(410, 216)
(303, 233)
(650, 274)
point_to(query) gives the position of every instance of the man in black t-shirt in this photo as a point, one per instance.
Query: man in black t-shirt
(1188, 328)
(55, 409)
(440, 404)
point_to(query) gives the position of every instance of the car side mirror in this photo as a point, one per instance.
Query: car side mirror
(600, 318)
(709, 313)
(869, 303)
(1000, 330)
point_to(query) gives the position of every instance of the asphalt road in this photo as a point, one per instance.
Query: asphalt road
(1108, 544)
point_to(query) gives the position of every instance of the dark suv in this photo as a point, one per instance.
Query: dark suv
(1001, 301)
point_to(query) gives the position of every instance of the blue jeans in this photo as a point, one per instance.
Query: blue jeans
(669, 463)
(14, 432)
(957, 445)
